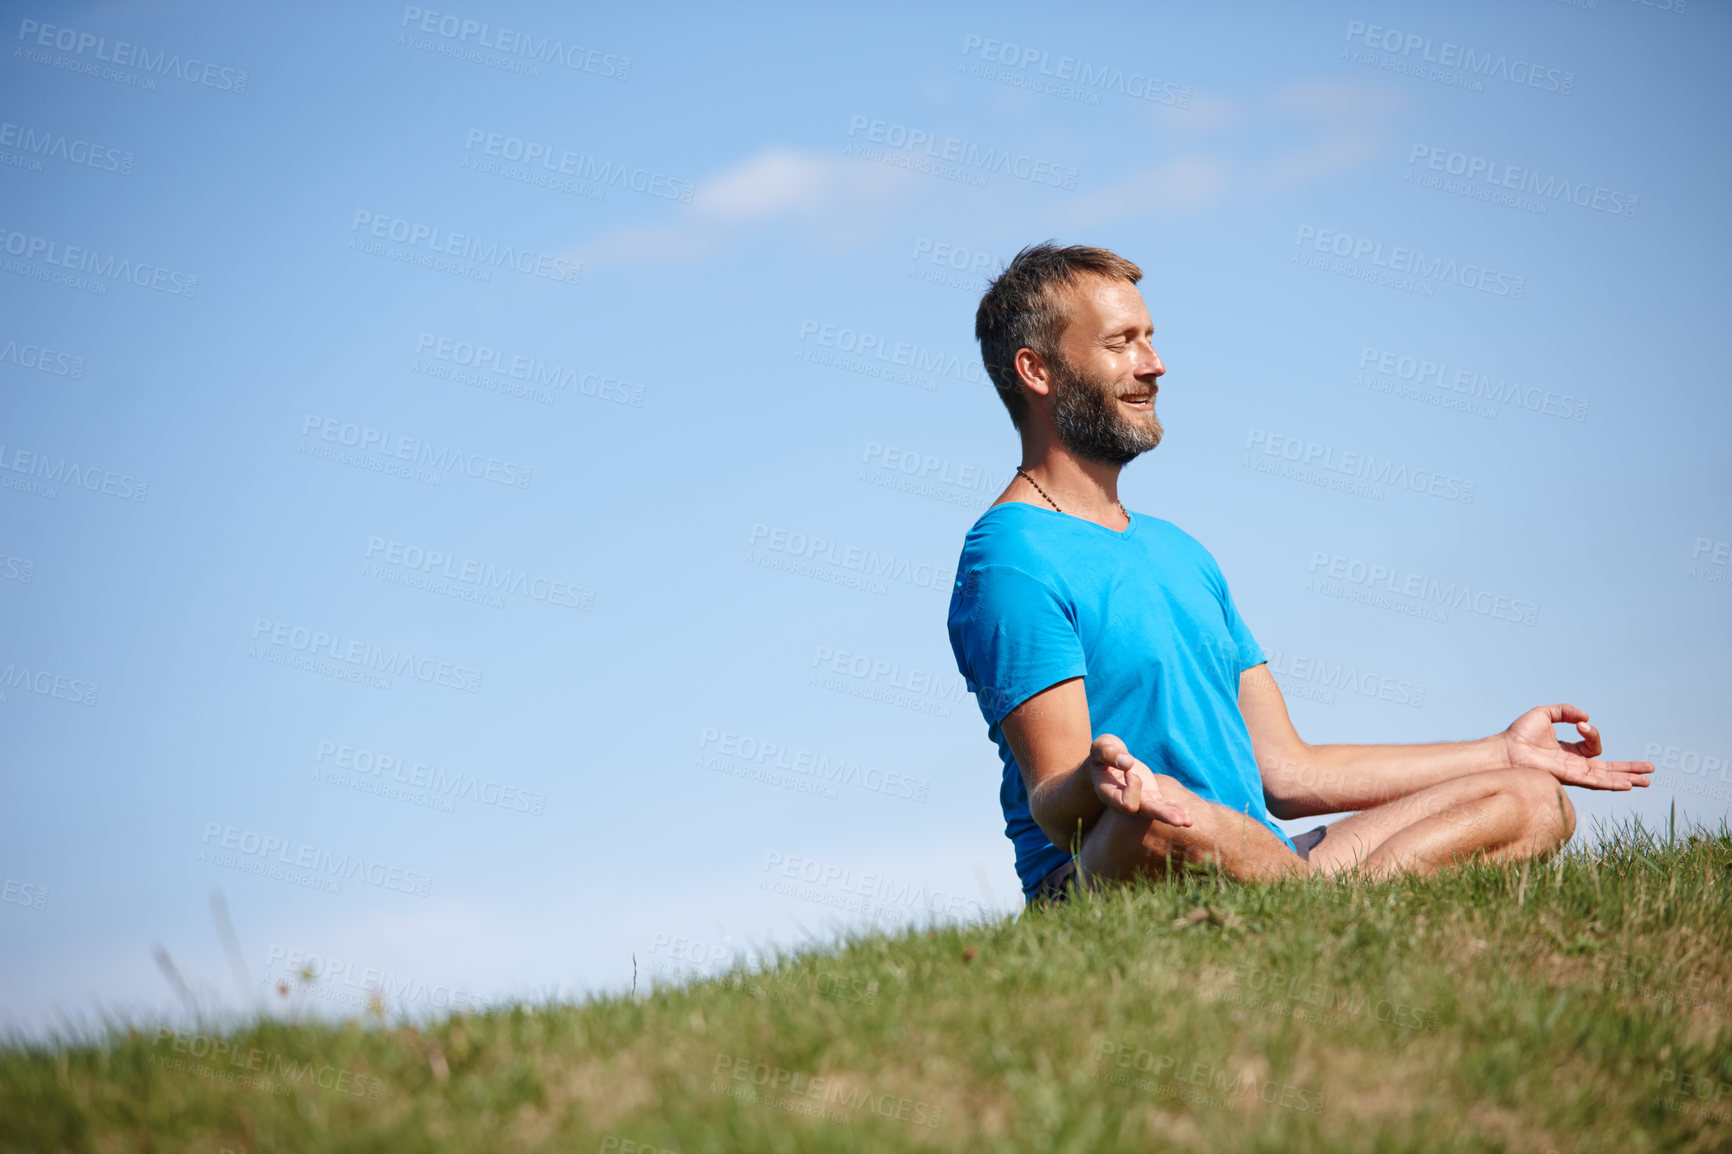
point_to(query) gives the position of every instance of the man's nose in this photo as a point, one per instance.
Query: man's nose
(1152, 364)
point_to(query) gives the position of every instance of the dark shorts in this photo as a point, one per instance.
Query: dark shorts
(1305, 842)
(1057, 885)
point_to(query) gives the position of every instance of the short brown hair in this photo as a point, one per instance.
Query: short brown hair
(1022, 309)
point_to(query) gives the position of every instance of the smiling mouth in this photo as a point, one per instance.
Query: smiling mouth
(1139, 400)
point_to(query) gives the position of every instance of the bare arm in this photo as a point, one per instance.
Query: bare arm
(1073, 778)
(1301, 780)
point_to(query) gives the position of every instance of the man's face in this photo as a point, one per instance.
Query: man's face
(1104, 376)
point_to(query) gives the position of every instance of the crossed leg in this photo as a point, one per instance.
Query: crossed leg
(1505, 815)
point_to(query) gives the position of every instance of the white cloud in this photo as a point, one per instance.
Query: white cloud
(1323, 128)
(1299, 134)
(837, 201)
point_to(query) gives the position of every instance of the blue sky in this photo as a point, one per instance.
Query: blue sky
(543, 500)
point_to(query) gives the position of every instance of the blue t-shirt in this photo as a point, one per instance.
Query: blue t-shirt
(1143, 616)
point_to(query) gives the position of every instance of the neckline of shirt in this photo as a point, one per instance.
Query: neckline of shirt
(1122, 534)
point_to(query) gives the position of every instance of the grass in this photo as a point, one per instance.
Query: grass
(1574, 1005)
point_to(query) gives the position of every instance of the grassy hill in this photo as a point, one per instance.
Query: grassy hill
(1576, 1005)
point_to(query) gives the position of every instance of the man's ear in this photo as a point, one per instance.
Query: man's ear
(1031, 370)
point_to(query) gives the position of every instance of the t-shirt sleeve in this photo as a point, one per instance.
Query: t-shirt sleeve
(1014, 637)
(1250, 653)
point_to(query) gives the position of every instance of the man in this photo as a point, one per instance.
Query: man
(1137, 722)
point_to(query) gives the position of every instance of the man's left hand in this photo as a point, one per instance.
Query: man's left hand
(1531, 744)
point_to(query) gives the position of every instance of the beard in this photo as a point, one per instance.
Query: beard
(1089, 423)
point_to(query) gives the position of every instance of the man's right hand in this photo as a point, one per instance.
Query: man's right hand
(1127, 785)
